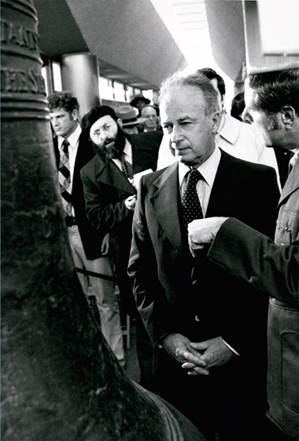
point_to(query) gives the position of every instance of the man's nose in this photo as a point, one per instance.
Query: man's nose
(103, 136)
(176, 135)
(246, 117)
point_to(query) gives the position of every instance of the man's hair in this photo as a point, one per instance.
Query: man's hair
(276, 89)
(195, 79)
(149, 105)
(211, 74)
(237, 106)
(63, 100)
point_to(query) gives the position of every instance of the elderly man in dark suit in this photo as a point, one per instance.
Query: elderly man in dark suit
(186, 301)
(272, 103)
(109, 184)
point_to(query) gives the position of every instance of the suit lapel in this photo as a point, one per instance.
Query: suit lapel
(166, 193)
(135, 158)
(218, 198)
(108, 173)
(292, 183)
(56, 151)
(84, 154)
(140, 155)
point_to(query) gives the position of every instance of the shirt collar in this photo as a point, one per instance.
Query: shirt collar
(230, 129)
(208, 169)
(73, 138)
(128, 151)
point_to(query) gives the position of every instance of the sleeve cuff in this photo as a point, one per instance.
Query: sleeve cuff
(229, 347)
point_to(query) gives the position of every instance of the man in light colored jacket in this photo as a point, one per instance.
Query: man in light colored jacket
(272, 103)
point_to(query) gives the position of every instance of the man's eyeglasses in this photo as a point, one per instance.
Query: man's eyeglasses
(103, 131)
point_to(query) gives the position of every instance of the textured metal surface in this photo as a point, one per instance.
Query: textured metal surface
(22, 85)
(60, 380)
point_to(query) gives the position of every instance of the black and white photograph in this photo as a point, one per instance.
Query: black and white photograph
(150, 220)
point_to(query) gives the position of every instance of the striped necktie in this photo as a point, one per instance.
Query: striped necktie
(64, 177)
(190, 202)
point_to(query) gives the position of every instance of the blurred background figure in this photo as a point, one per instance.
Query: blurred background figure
(151, 121)
(139, 101)
(128, 119)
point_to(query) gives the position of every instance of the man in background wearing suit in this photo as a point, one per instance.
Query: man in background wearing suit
(88, 246)
(109, 184)
(186, 302)
(272, 104)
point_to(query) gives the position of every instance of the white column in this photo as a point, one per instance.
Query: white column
(80, 75)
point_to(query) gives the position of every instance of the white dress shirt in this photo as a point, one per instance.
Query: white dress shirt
(293, 159)
(242, 140)
(128, 155)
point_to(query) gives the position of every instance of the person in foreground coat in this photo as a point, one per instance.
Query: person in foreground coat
(182, 299)
(110, 197)
(272, 103)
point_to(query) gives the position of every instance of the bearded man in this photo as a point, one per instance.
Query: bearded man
(109, 186)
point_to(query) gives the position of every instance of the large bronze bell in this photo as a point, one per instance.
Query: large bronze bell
(60, 380)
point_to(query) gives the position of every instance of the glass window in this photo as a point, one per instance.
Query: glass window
(119, 91)
(56, 76)
(45, 76)
(106, 88)
(129, 93)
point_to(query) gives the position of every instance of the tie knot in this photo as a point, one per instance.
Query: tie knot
(65, 147)
(193, 176)
(190, 202)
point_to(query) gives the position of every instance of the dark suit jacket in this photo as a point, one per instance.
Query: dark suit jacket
(193, 297)
(91, 238)
(168, 299)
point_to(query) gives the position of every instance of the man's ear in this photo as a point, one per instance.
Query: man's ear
(75, 115)
(222, 103)
(216, 122)
(287, 115)
(120, 122)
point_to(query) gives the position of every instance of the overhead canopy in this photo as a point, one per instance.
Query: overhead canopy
(129, 38)
(268, 31)
(226, 27)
